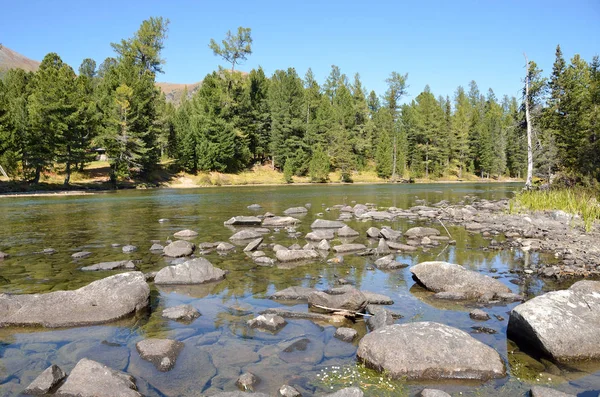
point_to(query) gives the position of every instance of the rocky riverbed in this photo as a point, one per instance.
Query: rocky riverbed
(181, 324)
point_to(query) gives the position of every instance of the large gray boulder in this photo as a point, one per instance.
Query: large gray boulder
(101, 301)
(296, 255)
(562, 324)
(428, 350)
(179, 248)
(194, 271)
(452, 278)
(243, 221)
(162, 353)
(353, 300)
(92, 379)
(325, 224)
(46, 381)
(118, 265)
(421, 232)
(278, 221)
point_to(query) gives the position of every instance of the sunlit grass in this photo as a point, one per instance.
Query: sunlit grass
(573, 201)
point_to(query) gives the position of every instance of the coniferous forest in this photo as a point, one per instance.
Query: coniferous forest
(56, 116)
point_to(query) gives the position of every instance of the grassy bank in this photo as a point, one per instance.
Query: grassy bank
(573, 201)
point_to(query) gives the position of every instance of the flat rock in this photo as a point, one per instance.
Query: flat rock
(429, 351)
(401, 247)
(162, 353)
(185, 233)
(478, 314)
(389, 263)
(81, 255)
(377, 299)
(295, 255)
(378, 215)
(185, 313)
(277, 221)
(92, 379)
(449, 277)
(264, 261)
(390, 234)
(539, 391)
(433, 393)
(179, 248)
(268, 322)
(345, 334)
(347, 231)
(343, 248)
(239, 394)
(129, 265)
(194, 271)
(246, 234)
(320, 234)
(296, 210)
(101, 301)
(347, 392)
(129, 249)
(46, 381)
(562, 324)
(253, 245)
(225, 246)
(353, 300)
(381, 319)
(254, 207)
(326, 224)
(295, 293)
(243, 221)
(418, 232)
(156, 247)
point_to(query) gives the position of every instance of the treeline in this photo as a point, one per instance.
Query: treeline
(295, 124)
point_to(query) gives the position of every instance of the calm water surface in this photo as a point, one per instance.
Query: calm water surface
(218, 345)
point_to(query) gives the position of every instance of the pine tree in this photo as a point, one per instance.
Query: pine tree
(319, 166)
(460, 129)
(383, 156)
(235, 48)
(260, 118)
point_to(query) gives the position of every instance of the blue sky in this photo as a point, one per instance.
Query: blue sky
(440, 43)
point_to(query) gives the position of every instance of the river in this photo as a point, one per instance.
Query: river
(218, 345)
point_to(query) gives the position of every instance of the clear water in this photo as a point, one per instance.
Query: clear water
(218, 345)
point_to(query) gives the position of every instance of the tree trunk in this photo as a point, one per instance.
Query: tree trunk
(38, 172)
(67, 173)
(529, 180)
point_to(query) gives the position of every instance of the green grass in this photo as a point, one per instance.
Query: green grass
(373, 383)
(573, 201)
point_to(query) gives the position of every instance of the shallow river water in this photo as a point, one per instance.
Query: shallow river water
(218, 345)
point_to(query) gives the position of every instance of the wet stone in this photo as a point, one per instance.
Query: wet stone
(247, 381)
(162, 353)
(184, 313)
(46, 381)
(345, 334)
(478, 314)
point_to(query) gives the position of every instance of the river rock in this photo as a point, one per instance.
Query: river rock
(269, 322)
(401, 247)
(243, 221)
(127, 249)
(194, 271)
(295, 293)
(3, 255)
(156, 247)
(419, 232)
(185, 233)
(562, 324)
(320, 234)
(101, 301)
(246, 234)
(129, 265)
(429, 350)
(92, 379)
(239, 394)
(324, 245)
(264, 261)
(340, 249)
(378, 215)
(296, 210)
(46, 381)
(347, 392)
(377, 299)
(390, 234)
(185, 313)
(478, 314)
(81, 255)
(254, 206)
(160, 352)
(452, 278)
(247, 381)
(381, 319)
(254, 244)
(353, 300)
(347, 231)
(288, 391)
(345, 334)
(539, 391)
(373, 232)
(433, 393)
(179, 248)
(225, 246)
(389, 263)
(295, 255)
(278, 221)
(326, 224)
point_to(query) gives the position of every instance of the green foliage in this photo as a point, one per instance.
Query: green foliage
(383, 156)
(319, 166)
(288, 171)
(235, 48)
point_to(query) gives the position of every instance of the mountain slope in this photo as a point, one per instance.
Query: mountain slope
(10, 59)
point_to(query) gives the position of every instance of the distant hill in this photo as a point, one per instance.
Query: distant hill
(10, 59)
(174, 92)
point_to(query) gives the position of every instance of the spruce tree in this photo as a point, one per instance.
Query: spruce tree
(319, 166)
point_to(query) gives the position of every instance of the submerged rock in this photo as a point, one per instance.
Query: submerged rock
(344, 248)
(347, 231)
(288, 391)
(296, 210)
(320, 234)
(345, 334)
(452, 278)
(101, 301)
(247, 381)
(246, 234)
(478, 314)
(325, 224)
(184, 313)
(185, 233)
(46, 381)
(353, 300)
(295, 255)
(243, 221)
(129, 249)
(194, 271)
(418, 232)
(277, 221)
(293, 294)
(129, 265)
(562, 324)
(162, 353)
(179, 248)
(81, 255)
(224, 246)
(428, 350)
(433, 393)
(347, 392)
(92, 379)
(269, 322)
(539, 391)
